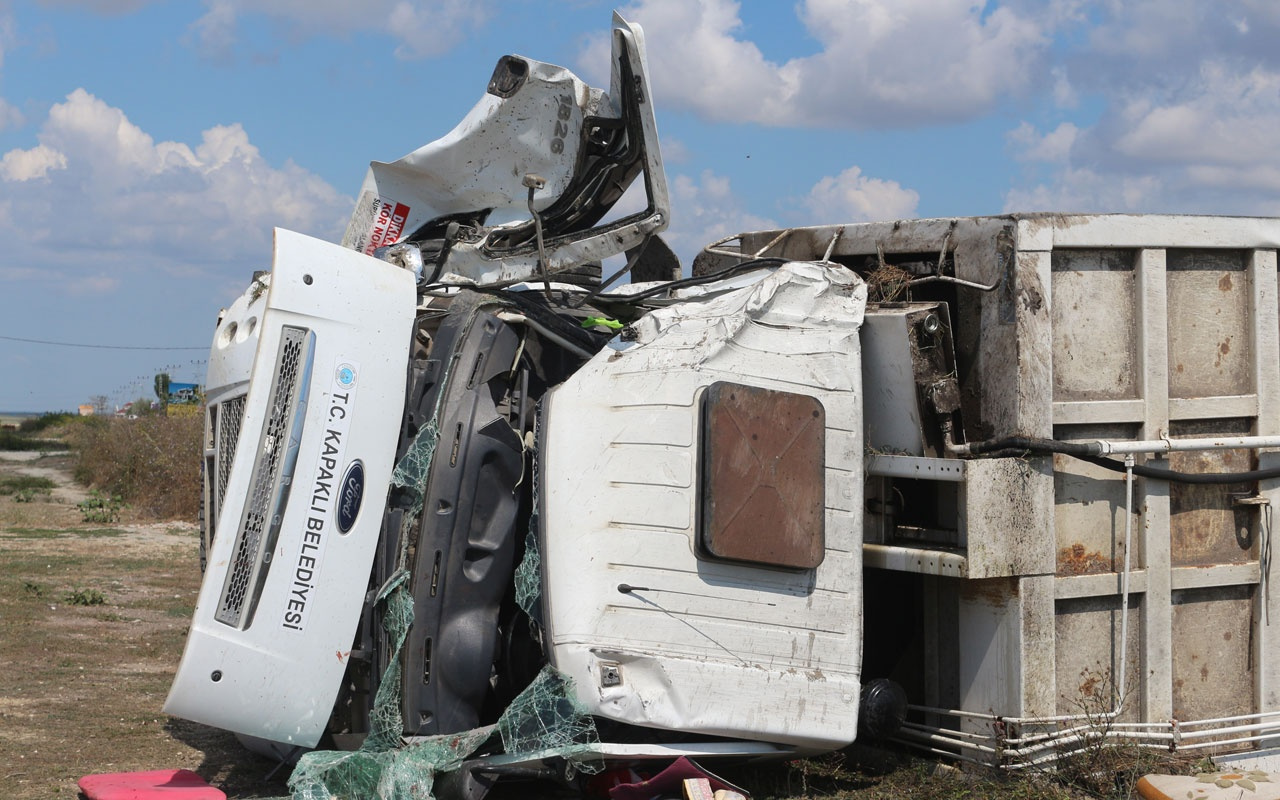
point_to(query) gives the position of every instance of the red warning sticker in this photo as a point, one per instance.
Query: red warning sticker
(376, 222)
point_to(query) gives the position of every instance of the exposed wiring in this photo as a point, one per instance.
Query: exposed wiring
(745, 266)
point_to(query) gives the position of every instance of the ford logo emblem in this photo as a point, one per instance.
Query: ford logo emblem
(349, 495)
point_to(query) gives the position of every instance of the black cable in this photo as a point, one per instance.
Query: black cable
(1013, 446)
(745, 266)
(1034, 445)
(1202, 478)
(531, 306)
(96, 346)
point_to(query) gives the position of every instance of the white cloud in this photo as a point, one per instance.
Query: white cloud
(853, 197)
(29, 165)
(96, 183)
(423, 27)
(1064, 93)
(882, 63)
(704, 209)
(675, 151)
(1224, 116)
(1054, 146)
(1083, 191)
(1205, 145)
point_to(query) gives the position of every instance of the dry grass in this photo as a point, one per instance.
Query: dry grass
(93, 617)
(92, 622)
(152, 463)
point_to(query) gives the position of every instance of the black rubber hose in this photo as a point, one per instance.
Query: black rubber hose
(1031, 444)
(734, 269)
(1204, 478)
(1013, 446)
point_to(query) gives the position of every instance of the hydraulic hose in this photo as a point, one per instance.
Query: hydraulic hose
(1203, 478)
(1092, 452)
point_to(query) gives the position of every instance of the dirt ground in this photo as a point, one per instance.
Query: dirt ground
(93, 617)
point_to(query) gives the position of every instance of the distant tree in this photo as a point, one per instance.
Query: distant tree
(100, 403)
(162, 389)
(141, 407)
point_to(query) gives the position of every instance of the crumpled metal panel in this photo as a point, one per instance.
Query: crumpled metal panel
(538, 123)
(655, 632)
(763, 457)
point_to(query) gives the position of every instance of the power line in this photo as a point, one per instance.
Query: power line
(96, 346)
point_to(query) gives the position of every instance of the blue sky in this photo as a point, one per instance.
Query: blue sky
(147, 149)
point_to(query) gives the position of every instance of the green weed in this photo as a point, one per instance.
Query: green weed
(99, 507)
(16, 484)
(85, 597)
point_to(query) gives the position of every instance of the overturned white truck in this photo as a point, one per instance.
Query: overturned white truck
(1023, 466)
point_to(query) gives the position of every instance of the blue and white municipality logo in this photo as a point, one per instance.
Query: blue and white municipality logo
(345, 376)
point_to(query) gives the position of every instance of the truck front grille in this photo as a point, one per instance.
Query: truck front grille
(230, 415)
(222, 432)
(273, 468)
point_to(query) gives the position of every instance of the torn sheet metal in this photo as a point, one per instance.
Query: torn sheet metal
(537, 121)
(819, 305)
(655, 631)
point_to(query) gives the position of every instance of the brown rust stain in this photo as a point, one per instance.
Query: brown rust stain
(1223, 349)
(1224, 283)
(1206, 527)
(1077, 560)
(1090, 685)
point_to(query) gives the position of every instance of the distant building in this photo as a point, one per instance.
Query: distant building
(86, 409)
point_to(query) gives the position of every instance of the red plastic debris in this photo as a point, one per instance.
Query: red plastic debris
(670, 782)
(166, 784)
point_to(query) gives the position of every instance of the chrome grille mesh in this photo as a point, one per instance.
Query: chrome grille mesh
(270, 481)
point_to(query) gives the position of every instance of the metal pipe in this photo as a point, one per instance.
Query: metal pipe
(1119, 687)
(971, 736)
(713, 248)
(1147, 735)
(1224, 743)
(1106, 447)
(982, 287)
(1167, 445)
(1261, 727)
(945, 753)
(784, 234)
(512, 316)
(1237, 718)
(955, 712)
(940, 739)
(831, 246)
